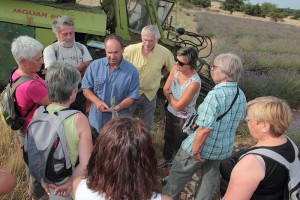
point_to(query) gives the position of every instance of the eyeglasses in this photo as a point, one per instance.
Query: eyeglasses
(79, 85)
(213, 67)
(248, 120)
(181, 64)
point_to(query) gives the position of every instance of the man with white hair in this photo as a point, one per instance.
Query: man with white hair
(69, 51)
(149, 58)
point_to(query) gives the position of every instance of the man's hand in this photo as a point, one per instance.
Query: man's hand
(102, 106)
(80, 67)
(117, 108)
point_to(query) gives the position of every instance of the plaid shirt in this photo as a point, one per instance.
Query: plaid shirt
(220, 141)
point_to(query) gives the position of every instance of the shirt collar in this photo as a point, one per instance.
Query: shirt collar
(226, 84)
(121, 65)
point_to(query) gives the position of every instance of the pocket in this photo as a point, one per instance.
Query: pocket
(99, 86)
(182, 157)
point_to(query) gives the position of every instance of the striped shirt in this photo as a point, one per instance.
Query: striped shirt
(219, 144)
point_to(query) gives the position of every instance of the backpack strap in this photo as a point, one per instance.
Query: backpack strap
(14, 84)
(55, 48)
(22, 79)
(62, 115)
(277, 157)
(80, 47)
(235, 97)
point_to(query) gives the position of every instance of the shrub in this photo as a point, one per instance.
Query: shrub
(233, 5)
(283, 84)
(267, 8)
(296, 15)
(276, 16)
(200, 3)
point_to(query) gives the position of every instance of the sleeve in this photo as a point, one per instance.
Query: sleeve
(88, 78)
(49, 56)
(207, 111)
(86, 54)
(170, 62)
(134, 86)
(36, 91)
(126, 53)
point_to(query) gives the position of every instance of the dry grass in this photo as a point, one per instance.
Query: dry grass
(11, 159)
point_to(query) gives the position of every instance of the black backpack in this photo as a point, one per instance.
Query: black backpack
(8, 106)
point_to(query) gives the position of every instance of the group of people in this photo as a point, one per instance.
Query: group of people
(121, 164)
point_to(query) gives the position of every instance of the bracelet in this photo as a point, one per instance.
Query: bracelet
(195, 153)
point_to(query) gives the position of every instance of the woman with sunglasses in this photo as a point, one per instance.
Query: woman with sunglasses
(181, 90)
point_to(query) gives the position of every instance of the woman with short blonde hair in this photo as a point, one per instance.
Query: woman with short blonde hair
(259, 177)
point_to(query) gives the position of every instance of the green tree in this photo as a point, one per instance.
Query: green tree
(276, 16)
(250, 9)
(201, 3)
(267, 9)
(233, 5)
(296, 15)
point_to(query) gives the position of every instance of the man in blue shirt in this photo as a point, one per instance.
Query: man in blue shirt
(111, 84)
(218, 118)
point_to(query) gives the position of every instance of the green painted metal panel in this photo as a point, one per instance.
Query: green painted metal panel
(8, 32)
(88, 19)
(45, 36)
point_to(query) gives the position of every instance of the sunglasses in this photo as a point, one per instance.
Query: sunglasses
(181, 64)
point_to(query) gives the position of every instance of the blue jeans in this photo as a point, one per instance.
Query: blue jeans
(183, 168)
(148, 109)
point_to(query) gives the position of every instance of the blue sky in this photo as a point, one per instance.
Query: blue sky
(293, 4)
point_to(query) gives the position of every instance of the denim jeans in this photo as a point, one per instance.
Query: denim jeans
(148, 108)
(173, 135)
(183, 168)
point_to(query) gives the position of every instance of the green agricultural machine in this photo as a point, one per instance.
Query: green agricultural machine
(93, 22)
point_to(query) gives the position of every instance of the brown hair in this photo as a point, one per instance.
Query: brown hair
(123, 162)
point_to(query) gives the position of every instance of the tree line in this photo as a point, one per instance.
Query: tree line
(263, 10)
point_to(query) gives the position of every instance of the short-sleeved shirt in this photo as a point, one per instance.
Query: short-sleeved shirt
(219, 144)
(121, 84)
(149, 68)
(178, 90)
(71, 55)
(28, 94)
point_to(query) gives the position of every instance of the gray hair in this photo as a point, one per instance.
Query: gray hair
(25, 47)
(64, 20)
(62, 78)
(231, 66)
(151, 29)
(190, 54)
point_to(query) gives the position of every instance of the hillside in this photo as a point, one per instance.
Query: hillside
(215, 8)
